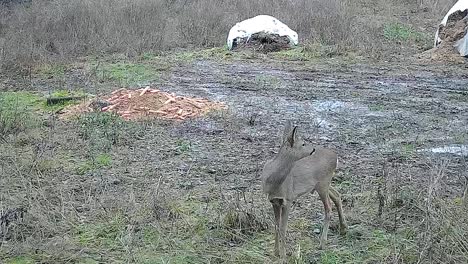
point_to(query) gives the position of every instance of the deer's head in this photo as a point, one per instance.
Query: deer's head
(293, 146)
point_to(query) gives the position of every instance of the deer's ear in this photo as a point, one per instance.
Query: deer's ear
(287, 130)
(292, 136)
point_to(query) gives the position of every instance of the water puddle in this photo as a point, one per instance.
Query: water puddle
(345, 107)
(460, 150)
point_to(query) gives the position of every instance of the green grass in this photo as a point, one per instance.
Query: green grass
(408, 150)
(183, 146)
(364, 246)
(127, 73)
(67, 93)
(104, 234)
(61, 94)
(20, 260)
(314, 51)
(194, 232)
(103, 160)
(18, 111)
(218, 53)
(402, 33)
(100, 161)
(101, 129)
(376, 107)
(296, 54)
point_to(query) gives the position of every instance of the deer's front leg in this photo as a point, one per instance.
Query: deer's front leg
(277, 211)
(323, 192)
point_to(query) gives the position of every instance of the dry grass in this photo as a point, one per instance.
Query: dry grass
(60, 29)
(80, 192)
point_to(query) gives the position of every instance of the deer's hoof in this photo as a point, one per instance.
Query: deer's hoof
(343, 230)
(321, 246)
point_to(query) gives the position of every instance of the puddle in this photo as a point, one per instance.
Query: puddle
(340, 106)
(330, 105)
(461, 150)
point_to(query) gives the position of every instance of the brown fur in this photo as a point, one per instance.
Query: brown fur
(298, 169)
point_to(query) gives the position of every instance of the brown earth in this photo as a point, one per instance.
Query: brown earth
(454, 30)
(263, 42)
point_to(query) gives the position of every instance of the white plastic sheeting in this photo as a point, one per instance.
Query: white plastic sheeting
(462, 44)
(258, 24)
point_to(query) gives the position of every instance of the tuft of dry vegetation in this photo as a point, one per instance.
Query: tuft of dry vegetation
(36, 31)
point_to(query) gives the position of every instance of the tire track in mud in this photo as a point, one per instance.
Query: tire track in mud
(305, 93)
(363, 111)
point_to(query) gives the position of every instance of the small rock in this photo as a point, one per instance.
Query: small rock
(97, 105)
(114, 180)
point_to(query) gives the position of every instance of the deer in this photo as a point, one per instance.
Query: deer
(297, 169)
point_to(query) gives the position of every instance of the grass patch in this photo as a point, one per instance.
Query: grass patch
(103, 160)
(20, 260)
(51, 70)
(377, 108)
(100, 161)
(217, 53)
(183, 146)
(101, 129)
(312, 51)
(61, 104)
(127, 73)
(398, 32)
(105, 234)
(267, 81)
(17, 111)
(408, 150)
(67, 93)
(365, 246)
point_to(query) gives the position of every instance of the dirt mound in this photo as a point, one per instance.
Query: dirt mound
(264, 42)
(144, 103)
(455, 29)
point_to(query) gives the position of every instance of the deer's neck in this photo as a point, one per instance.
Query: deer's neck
(279, 169)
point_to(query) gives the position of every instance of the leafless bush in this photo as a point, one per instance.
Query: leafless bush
(437, 6)
(65, 29)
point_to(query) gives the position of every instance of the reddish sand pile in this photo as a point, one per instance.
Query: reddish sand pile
(144, 103)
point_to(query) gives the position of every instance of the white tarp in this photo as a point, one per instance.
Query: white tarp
(462, 44)
(258, 24)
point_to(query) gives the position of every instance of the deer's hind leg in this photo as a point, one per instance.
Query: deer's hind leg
(281, 209)
(323, 192)
(336, 198)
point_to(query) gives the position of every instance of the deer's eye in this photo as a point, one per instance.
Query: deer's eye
(303, 144)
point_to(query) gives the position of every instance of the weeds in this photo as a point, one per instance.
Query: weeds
(53, 30)
(400, 33)
(51, 70)
(96, 162)
(127, 74)
(183, 146)
(267, 82)
(102, 129)
(17, 112)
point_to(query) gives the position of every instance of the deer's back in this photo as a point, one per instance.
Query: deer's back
(314, 169)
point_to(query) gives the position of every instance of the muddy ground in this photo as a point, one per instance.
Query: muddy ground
(399, 128)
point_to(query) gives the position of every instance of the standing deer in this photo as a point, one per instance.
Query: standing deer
(298, 169)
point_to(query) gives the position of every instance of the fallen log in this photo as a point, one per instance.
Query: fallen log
(59, 100)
